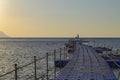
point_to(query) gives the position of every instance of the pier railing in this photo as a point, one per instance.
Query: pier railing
(115, 62)
(112, 58)
(48, 71)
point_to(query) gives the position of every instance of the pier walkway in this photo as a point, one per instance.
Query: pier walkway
(86, 64)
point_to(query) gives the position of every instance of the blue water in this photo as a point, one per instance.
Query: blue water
(114, 42)
(21, 51)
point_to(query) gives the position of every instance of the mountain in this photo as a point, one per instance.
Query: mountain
(2, 34)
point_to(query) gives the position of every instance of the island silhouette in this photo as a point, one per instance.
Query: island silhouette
(2, 34)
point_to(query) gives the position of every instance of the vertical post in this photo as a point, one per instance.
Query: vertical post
(47, 65)
(15, 71)
(118, 76)
(60, 58)
(35, 68)
(94, 44)
(98, 45)
(112, 65)
(117, 51)
(108, 46)
(104, 45)
(54, 63)
(42, 78)
(111, 48)
(66, 52)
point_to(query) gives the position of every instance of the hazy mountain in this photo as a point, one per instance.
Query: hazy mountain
(2, 34)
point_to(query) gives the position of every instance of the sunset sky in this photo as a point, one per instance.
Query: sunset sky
(60, 18)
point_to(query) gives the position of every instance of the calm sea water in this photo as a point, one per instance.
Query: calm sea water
(21, 51)
(114, 42)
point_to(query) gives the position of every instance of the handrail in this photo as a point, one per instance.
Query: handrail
(25, 65)
(114, 60)
(7, 73)
(21, 67)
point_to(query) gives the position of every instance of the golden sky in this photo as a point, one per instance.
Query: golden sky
(60, 18)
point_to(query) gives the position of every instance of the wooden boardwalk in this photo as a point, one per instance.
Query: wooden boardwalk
(86, 64)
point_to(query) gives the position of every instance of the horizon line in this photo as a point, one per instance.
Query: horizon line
(49, 37)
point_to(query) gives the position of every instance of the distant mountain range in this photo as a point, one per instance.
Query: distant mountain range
(2, 34)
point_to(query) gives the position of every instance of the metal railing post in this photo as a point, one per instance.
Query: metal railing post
(42, 78)
(35, 68)
(60, 58)
(111, 48)
(54, 63)
(15, 71)
(93, 44)
(118, 76)
(47, 65)
(64, 53)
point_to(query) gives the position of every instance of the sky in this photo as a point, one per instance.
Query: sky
(60, 18)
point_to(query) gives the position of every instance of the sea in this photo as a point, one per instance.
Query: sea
(21, 51)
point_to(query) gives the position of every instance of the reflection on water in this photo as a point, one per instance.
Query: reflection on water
(22, 52)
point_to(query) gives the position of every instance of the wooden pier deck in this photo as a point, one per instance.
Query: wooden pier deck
(86, 64)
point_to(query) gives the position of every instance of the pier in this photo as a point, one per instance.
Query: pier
(86, 64)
